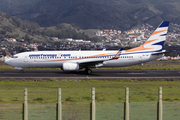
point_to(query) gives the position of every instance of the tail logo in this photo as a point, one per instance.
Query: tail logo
(155, 41)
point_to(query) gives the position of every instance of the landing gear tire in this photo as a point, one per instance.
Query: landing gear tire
(21, 71)
(88, 71)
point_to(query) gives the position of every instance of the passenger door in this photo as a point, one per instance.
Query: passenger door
(26, 63)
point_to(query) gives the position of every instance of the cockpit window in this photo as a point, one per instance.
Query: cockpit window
(14, 56)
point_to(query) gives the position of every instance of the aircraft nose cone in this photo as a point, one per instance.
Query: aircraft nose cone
(7, 61)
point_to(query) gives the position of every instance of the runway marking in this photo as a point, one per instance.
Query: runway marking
(138, 73)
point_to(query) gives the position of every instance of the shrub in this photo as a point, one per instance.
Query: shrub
(38, 99)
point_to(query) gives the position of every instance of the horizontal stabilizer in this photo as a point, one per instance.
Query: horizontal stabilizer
(158, 53)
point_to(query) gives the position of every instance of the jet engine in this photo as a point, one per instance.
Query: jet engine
(70, 67)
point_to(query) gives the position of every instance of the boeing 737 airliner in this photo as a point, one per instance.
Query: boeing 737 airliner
(76, 60)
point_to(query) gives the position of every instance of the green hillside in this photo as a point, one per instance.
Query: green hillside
(118, 14)
(12, 27)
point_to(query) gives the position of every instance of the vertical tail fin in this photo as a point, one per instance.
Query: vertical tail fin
(156, 41)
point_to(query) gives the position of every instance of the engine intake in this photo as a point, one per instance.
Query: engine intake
(70, 67)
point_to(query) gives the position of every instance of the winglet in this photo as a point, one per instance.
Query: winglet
(117, 54)
(104, 49)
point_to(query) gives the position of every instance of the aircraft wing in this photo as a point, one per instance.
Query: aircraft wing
(98, 62)
(92, 63)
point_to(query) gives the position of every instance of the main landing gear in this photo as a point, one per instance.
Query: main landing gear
(88, 71)
(21, 71)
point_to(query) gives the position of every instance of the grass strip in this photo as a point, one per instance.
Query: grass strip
(41, 91)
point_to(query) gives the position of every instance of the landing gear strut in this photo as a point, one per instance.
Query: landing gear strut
(88, 71)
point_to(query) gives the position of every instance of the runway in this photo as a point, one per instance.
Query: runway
(97, 74)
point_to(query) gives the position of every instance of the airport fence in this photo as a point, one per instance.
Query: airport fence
(91, 111)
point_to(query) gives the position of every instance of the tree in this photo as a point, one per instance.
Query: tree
(27, 38)
(8, 16)
(3, 32)
(16, 22)
(7, 28)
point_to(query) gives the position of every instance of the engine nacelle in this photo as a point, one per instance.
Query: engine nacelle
(70, 67)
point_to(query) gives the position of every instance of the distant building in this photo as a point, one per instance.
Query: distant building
(10, 39)
(69, 39)
(55, 38)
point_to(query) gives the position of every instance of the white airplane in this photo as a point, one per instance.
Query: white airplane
(76, 60)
